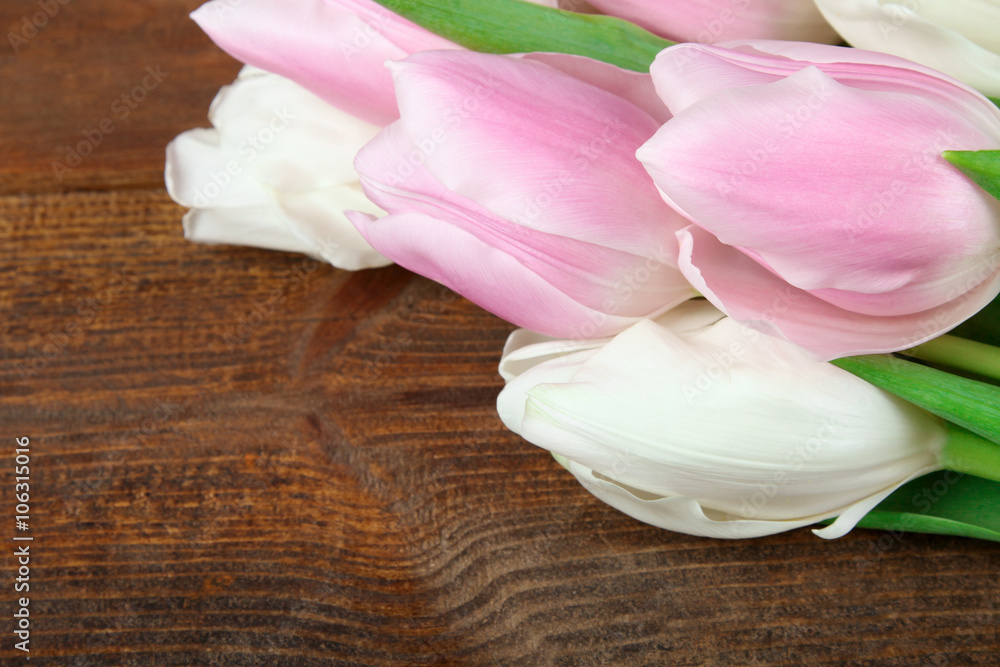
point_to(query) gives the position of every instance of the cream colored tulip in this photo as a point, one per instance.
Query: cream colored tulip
(275, 171)
(693, 423)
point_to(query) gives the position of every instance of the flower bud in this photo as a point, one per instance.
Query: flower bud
(827, 215)
(513, 181)
(694, 423)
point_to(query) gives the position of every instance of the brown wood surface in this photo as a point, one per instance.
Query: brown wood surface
(334, 488)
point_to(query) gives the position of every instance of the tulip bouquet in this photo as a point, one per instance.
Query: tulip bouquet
(735, 258)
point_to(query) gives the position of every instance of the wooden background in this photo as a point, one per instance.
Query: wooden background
(319, 492)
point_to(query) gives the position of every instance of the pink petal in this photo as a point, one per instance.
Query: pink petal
(636, 87)
(755, 186)
(686, 73)
(749, 293)
(335, 48)
(598, 277)
(503, 285)
(714, 21)
(537, 147)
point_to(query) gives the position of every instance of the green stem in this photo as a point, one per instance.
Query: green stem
(969, 453)
(960, 353)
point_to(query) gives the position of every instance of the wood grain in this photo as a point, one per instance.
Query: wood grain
(327, 483)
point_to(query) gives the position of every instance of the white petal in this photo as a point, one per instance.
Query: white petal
(680, 514)
(318, 216)
(897, 29)
(745, 424)
(199, 173)
(285, 136)
(255, 226)
(276, 172)
(850, 517)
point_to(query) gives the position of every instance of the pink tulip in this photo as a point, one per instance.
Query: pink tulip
(514, 182)
(822, 209)
(710, 21)
(335, 48)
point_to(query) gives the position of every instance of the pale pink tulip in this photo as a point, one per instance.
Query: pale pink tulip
(822, 209)
(710, 21)
(335, 48)
(514, 183)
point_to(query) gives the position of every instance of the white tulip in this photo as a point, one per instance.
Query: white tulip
(276, 171)
(958, 37)
(693, 423)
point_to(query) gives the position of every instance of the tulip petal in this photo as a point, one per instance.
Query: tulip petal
(679, 513)
(503, 285)
(525, 349)
(747, 292)
(276, 172)
(566, 153)
(700, 21)
(272, 127)
(642, 419)
(257, 227)
(636, 87)
(751, 186)
(686, 73)
(686, 515)
(609, 288)
(960, 39)
(637, 420)
(318, 216)
(335, 48)
(850, 517)
(195, 174)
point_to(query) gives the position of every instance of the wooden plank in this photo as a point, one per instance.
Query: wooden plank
(314, 494)
(324, 480)
(113, 80)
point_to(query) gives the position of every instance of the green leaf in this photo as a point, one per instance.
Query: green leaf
(968, 403)
(995, 100)
(514, 26)
(945, 503)
(983, 167)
